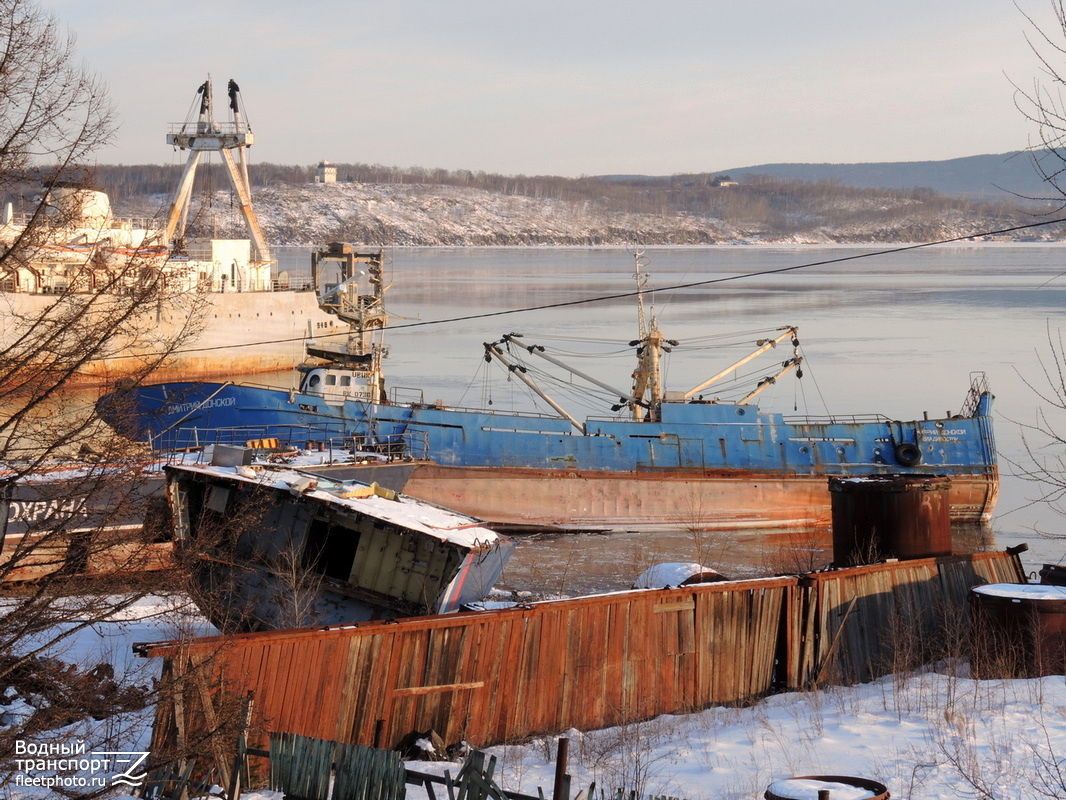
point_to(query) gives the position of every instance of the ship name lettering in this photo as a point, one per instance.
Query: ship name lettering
(37, 510)
(184, 408)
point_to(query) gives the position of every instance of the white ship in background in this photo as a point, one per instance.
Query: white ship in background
(251, 321)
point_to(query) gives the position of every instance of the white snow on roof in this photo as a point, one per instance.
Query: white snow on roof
(417, 515)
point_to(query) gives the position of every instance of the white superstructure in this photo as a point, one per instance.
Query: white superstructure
(74, 245)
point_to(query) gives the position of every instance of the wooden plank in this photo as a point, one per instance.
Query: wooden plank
(680, 605)
(270, 703)
(509, 711)
(526, 651)
(324, 693)
(447, 648)
(597, 644)
(704, 623)
(472, 671)
(616, 632)
(365, 694)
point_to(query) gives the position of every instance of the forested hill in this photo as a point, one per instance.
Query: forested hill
(985, 177)
(390, 206)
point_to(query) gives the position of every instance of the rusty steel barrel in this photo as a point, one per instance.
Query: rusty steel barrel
(1053, 574)
(833, 787)
(889, 516)
(1018, 630)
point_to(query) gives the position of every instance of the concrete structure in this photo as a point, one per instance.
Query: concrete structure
(327, 173)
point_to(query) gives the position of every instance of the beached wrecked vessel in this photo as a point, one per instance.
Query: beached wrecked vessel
(275, 546)
(250, 318)
(664, 459)
(95, 518)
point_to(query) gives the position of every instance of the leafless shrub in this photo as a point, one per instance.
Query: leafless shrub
(73, 491)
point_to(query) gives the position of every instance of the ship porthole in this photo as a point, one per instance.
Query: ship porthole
(908, 454)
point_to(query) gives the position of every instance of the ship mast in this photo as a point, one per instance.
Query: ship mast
(359, 300)
(202, 135)
(647, 377)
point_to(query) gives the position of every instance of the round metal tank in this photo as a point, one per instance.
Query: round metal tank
(889, 516)
(1054, 574)
(833, 787)
(664, 576)
(1017, 630)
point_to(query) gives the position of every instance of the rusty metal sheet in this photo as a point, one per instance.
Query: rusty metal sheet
(495, 676)
(509, 497)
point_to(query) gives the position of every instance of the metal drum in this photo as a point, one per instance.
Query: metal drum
(826, 787)
(1019, 630)
(889, 516)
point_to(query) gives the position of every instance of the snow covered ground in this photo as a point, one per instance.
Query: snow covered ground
(930, 735)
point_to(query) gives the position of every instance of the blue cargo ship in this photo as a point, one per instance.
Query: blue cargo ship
(660, 460)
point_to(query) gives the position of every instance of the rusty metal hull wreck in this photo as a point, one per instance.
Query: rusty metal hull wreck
(583, 500)
(271, 547)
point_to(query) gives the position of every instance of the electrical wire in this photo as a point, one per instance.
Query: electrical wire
(637, 292)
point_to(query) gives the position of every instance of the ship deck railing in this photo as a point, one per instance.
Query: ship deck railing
(409, 446)
(291, 284)
(403, 395)
(836, 419)
(197, 127)
(408, 396)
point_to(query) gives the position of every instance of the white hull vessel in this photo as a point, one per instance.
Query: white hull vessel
(225, 304)
(242, 333)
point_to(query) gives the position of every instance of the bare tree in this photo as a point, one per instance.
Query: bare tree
(1044, 461)
(1043, 103)
(72, 493)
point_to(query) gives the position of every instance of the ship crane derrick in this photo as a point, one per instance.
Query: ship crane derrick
(205, 135)
(647, 396)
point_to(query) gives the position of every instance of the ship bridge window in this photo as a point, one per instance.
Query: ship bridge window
(331, 380)
(346, 380)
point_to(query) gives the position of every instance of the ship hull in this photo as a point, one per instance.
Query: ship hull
(239, 333)
(584, 500)
(702, 466)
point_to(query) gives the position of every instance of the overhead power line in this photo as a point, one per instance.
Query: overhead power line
(635, 292)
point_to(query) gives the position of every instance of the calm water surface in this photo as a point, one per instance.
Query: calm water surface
(898, 334)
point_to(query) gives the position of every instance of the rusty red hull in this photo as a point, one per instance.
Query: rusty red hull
(654, 500)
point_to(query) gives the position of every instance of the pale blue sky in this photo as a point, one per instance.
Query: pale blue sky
(570, 87)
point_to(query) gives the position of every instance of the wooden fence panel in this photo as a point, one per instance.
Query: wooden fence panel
(590, 662)
(864, 621)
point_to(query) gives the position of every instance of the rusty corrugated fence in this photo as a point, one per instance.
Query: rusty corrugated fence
(495, 676)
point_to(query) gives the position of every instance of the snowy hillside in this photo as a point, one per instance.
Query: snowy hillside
(445, 215)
